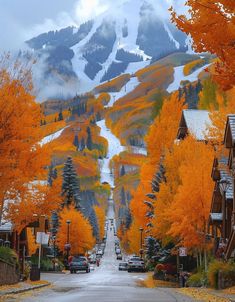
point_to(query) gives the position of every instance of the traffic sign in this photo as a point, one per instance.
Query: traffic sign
(183, 252)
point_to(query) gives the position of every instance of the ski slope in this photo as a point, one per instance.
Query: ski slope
(179, 76)
(51, 137)
(114, 148)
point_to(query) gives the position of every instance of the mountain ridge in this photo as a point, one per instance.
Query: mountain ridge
(109, 45)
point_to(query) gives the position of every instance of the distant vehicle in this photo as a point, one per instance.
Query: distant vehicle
(92, 259)
(79, 263)
(123, 266)
(118, 251)
(119, 256)
(136, 264)
(100, 252)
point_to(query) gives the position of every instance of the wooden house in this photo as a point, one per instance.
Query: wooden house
(229, 143)
(194, 122)
(222, 214)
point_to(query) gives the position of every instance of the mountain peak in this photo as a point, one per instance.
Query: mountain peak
(121, 40)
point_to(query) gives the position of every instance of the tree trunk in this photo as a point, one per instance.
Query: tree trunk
(205, 260)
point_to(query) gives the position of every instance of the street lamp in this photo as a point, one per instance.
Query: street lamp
(224, 184)
(67, 246)
(141, 242)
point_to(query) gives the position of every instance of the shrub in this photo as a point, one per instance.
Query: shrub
(197, 280)
(216, 266)
(9, 255)
(46, 264)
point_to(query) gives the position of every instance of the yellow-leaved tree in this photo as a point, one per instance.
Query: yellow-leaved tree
(80, 232)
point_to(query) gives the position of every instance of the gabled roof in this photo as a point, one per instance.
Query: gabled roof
(6, 227)
(194, 122)
(229, 136)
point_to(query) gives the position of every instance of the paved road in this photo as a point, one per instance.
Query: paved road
(103, 284)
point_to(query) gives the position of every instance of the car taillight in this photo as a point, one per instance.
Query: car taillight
(84, 263)
(130, 262)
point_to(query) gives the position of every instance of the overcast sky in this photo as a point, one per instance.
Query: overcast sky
(23, 19)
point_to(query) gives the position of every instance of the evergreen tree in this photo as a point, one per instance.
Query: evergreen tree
(76, 141)
(152, 247)
(123, 171)
(128, 196)
(70, 185)
(128, 218)
(52, 174)
(89, 139)
(60, 116)
(93, 221)
(82, 145)
(98, 116)
(123, 196)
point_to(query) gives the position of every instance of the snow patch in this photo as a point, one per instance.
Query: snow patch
(114, 148)
(177, 44)
(179, 76)
(130, 86)
(51, 137)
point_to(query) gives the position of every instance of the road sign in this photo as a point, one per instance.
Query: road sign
(42, 238)
(183, 252)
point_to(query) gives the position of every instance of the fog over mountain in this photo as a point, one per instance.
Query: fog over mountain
(101, 41)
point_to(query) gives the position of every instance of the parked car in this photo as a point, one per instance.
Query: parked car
(79, 263)
(119, 256)
(136, 264)
(123, 266)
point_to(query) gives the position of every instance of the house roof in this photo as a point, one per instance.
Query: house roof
(6, 227)
(229, 136)
(195, 122)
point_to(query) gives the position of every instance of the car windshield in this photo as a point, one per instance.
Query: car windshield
(80, 259)
(135, 259)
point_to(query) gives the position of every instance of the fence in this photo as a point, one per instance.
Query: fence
(226, 280)
(8, 273)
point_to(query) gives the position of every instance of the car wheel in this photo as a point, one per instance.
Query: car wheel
(129, 271)
(87, 270)
(71, 271)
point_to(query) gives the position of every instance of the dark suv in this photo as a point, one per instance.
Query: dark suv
(79, 263)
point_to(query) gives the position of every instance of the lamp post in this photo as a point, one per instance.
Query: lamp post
(224, 185)
(141, 242)
(68, 244)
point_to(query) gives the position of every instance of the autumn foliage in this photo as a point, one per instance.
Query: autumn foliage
(100, 215)
(211, 25)
(80, 233)
(22, 159)
(159, 140)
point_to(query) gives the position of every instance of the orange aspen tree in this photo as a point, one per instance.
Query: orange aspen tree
(80, 233)
(22, 159)
(161, 138)
(211, 25)
(100, 215)
(189, 211)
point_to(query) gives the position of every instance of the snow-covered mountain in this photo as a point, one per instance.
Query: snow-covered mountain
(123, 39)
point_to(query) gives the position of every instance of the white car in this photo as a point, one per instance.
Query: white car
(100, 252)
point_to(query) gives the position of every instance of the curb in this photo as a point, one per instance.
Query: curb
(22, 290)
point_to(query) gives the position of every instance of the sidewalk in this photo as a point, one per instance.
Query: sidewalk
(22, 287)
(207, 294)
